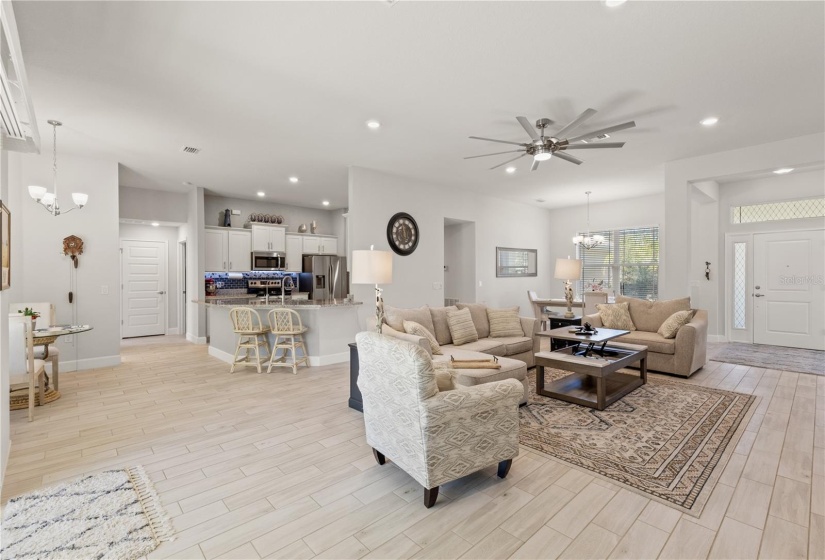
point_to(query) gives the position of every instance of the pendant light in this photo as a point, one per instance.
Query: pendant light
(49, 199)
(588, 241)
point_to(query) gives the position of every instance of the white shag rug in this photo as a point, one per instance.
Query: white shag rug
(113, 515)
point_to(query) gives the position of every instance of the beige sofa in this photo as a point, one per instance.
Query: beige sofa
(516, 354)
(682, 355)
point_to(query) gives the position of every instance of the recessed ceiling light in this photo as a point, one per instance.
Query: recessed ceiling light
(783, 170)
(710, 121)
(261, 193)
(510, 170)
(373, 124)
(614, 3)
(539, 200)
(187, 183)
(293, 179)
(155, 224)
(325, 203)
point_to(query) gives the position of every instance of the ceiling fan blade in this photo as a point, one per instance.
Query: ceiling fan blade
(593, 134)
(567, 157)
(528, 127)
(502, 141)
(495, 154)
(535, 165)
(576, 122)
(593, 146)
(508, 161)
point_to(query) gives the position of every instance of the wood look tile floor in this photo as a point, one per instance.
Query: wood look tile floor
(276, 466)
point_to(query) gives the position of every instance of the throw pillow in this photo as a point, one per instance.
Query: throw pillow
(442, 328)
(504, 322)
(615, 316)
(462, 328)
(675, 322)
(411, 327)
(478, 311)
(395, 317)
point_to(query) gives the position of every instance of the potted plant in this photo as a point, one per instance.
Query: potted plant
(29, 312)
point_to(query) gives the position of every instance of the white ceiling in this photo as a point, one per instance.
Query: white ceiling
(269, 90)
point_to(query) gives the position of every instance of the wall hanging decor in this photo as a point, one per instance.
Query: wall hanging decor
(73, 246)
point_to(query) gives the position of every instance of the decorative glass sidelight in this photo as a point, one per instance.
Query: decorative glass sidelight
(740, 285)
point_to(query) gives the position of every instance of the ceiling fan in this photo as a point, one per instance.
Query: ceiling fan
(543, 147)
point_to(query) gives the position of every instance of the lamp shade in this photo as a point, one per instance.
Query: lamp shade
(371, 267)
(568, 269)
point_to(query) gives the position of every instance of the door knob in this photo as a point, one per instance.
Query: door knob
(161, 293)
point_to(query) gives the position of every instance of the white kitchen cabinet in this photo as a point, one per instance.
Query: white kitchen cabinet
(215, 251)
(320, 245)
(268, 238)
(227, 250)
(238, 249)
(294, 252)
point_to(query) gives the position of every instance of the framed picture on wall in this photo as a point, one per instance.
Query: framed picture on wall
(5, 246)
(516, 262)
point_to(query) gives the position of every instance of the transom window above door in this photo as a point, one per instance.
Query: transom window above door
(776, 211)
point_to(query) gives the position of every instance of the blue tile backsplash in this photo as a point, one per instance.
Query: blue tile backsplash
(239, 280)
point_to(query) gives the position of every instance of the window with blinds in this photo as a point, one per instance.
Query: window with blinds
(626, 263)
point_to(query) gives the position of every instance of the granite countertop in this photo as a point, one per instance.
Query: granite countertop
(234, 301)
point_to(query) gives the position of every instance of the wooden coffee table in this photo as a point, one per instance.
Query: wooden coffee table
(595, 381)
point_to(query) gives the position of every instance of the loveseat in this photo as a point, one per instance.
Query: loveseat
(515, 353)
(682, 355)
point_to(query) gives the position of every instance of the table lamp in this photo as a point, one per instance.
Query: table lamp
(373, 267)
(568, 269)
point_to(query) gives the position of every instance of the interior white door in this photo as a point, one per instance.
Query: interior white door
(143, 288)
(788, 290)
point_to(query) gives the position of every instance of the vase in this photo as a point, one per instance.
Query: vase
(302, 228)
(313, 226)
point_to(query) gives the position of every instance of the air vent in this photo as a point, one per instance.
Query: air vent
(190, 150)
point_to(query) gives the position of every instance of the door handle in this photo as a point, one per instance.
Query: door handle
(230, 264)
(161, 293)
(758, 295)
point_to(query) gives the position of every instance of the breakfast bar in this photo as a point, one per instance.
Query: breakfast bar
(331, 325)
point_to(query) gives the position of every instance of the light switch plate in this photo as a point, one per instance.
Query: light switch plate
(236, 212)
(104, 290)
(437, 286)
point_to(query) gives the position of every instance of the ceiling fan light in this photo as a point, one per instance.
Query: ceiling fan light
(36, 192)
(542, 155)
(80, 199)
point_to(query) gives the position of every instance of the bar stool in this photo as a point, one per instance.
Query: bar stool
(251, 336)
(288, 329)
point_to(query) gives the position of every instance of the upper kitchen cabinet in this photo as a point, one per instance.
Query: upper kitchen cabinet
(227, 250)
(268, 238)
(294, 252)
(320, 245)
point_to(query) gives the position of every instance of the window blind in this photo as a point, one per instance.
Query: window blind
(627, 263)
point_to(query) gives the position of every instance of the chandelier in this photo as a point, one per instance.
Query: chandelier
(588, 241)
(49, 199)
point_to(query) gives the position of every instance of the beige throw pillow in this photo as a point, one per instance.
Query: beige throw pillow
(504, 322)
(462, 328)
(411, 327)
(615, 316)
(395, 317)
(675, 322)
(442, 328)
(478, 311)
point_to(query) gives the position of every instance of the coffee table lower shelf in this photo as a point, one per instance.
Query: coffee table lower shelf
(595, 382)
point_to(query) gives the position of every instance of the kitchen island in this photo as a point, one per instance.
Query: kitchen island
(331, 325)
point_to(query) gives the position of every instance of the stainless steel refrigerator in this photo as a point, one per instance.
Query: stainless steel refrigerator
(326, 276)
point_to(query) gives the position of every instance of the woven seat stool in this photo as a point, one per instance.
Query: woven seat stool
(252, 334)
(288, 329)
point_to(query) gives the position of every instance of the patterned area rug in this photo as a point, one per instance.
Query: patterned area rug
(669, 440)
(774, 357)
(113, 515)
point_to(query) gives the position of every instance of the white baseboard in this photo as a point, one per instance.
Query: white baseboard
(314, 361)
(195, 339)
(90, 363)
(173, 331)
(717, 338)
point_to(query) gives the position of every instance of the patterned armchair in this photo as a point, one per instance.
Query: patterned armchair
(435, 436)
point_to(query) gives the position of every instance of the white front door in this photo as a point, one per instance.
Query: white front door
(788, 290)
(144, 288)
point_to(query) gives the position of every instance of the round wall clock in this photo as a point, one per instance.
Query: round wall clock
(402, 233)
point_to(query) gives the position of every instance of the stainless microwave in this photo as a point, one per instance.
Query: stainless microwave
(268, 260)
